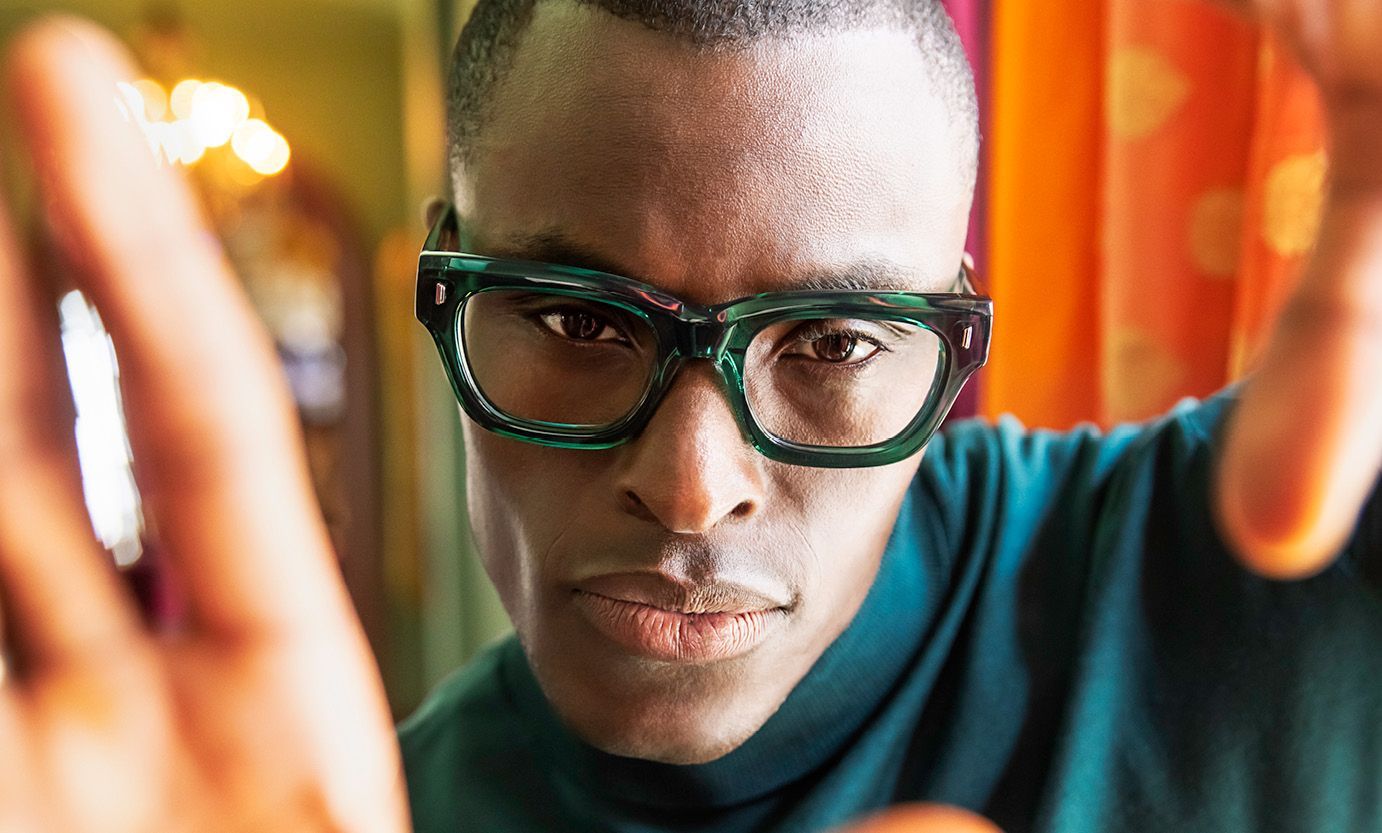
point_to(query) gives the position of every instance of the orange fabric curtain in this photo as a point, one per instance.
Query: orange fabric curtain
(1154, 178)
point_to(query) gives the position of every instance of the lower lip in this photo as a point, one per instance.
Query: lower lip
(670, 636)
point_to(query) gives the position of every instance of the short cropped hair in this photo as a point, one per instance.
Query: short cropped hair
(485, 49)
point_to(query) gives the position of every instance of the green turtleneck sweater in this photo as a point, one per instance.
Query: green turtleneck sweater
(1056, 639)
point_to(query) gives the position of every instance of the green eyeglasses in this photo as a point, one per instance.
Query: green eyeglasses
(574, 358)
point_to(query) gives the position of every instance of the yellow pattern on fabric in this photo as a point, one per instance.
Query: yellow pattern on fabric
(1294, 198)
(1140, 373)
(1144, 90)
(1216, 232)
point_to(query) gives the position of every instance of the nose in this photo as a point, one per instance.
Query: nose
(691, 469)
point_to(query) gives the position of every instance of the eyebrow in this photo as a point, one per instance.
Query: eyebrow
(555, 247)
(870, 274)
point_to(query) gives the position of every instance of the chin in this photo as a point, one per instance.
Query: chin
(674, 739)
(661, 713)
(671, 712)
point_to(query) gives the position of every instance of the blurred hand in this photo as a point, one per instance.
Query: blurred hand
(266, 713)
(1304, 446)
(1336, 40)
(923, 818)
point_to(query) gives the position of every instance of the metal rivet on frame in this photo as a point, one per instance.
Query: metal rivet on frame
(969, 331)
(441, 293)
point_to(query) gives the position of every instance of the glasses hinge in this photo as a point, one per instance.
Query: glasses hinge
(440, 295)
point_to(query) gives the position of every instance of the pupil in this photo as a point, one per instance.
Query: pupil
(836, 348)
(580, 325)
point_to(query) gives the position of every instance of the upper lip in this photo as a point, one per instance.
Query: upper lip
(681, 595)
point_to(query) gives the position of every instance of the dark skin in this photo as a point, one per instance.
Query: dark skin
(662, 163)
(267, 712)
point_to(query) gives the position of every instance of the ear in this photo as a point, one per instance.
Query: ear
(431, 210)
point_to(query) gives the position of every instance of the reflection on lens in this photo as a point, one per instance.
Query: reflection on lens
(840, 383)
(548, 357)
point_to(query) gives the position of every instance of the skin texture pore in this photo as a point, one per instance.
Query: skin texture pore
(713, 175)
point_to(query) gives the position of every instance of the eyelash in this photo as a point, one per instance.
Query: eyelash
(537, 316)
(811, 333)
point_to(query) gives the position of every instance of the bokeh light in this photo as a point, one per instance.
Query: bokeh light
(185, 145)
(180, 100)
(217, 109)
(205, 115)
(103, 452)
(154, 97)
(260, 147)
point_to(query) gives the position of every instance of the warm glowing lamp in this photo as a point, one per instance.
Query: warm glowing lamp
(260, 147)
(154, 97)
(180, 99)
(216, 110)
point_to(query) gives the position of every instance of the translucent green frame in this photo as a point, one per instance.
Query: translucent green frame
(685, 331)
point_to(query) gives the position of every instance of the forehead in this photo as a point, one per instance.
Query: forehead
(717, 174)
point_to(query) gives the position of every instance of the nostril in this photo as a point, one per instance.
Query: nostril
(680, 515)
(634, 505)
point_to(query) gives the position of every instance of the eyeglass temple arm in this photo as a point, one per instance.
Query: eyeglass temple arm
(967, 281)
(445, 231)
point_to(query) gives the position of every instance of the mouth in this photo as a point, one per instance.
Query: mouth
(652, 616)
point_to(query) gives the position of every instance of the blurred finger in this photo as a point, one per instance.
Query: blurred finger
(217, 449)
(17, 790)
(1303, 449)
(924, 818)
(64, 600)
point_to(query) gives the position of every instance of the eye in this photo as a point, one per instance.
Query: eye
(581, 325)
(834, 345)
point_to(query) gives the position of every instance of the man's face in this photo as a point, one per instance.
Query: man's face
(671, 592)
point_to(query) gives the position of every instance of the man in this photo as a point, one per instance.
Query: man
(729, 615)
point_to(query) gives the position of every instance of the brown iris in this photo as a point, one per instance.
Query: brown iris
(835, 348)
(581, 326)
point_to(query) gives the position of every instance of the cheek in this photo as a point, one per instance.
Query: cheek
(847, 509)
(844, 518)
(521, 498)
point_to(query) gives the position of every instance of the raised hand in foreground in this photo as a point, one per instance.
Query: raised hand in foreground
(1304, 447)
(266, 712)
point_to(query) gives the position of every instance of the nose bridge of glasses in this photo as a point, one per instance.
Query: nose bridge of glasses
(703, 335)
(701, 338)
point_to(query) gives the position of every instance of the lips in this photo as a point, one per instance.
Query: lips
(657, 617)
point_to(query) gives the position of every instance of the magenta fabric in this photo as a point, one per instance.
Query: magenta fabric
(972, 22)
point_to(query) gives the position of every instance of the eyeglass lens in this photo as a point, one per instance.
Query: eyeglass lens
(578, 362)
(840, 383)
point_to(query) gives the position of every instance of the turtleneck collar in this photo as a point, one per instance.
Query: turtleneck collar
(831, 704)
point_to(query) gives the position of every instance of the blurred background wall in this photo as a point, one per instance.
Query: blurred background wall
(329, 72)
